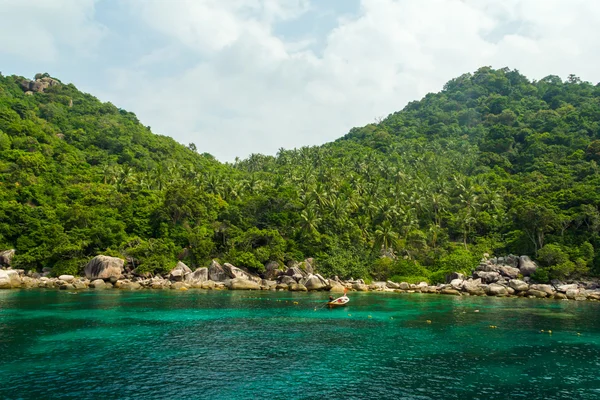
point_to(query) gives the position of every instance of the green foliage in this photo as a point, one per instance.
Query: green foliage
(410, 279)
(494, 163)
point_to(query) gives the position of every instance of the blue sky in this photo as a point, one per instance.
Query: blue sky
(251, 76)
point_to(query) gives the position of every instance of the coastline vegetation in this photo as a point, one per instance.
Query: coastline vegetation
(494, 163)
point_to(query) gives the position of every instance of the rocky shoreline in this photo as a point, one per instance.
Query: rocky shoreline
(498, 277)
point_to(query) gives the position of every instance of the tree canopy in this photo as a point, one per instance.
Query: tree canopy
(494, 163)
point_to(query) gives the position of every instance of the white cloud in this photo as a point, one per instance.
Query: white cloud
(221, 76)
(36, 30)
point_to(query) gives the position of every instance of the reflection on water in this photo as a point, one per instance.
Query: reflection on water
(238, 345)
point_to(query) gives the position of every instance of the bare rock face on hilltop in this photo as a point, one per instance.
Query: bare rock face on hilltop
(39, 84)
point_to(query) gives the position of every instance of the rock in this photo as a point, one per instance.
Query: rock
(179, 286)
(457, 284)
(564, 288)
(536, 293)
(104, 267)
(235, 272)
(243, 284)
(549, 290)
(496, 290)
(526, 266)
(453, 276)
(297, 287)
(282, 286)
(199, 275)
(97, 284)
(510, 272)
(216, 272)
(560, 296)
(286, 279)
(360, 287)
(66, 278)
(335, 286)
(422, 285)
(6, 257)
(66, 286)
(572, 293)
(452, 292)
(488, 267)
(208, 284)
(392, 285)
(313, 282)
(272, 270)
(404, 286)
(179, 272)
(295, 271)
(518, 285)
(487, 277)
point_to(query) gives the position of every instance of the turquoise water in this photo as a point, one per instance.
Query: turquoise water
(241, 345)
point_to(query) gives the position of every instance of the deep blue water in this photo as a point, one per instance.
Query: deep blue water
(242, 345)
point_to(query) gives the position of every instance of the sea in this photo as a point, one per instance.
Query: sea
(199, 344)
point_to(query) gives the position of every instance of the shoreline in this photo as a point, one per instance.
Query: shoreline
(82, 284)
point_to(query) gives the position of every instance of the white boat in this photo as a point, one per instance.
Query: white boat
(339, 302)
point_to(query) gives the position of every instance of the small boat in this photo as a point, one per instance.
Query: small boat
(339, 302)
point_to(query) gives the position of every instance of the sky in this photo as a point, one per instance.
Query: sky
(238, 77)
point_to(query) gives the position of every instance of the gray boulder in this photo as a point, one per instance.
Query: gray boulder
(526, 266)
(360, 287)
(392, 285)
(496, 290)
(178, 273)
(404, 286)
(453, 276)
(104, 267)
(6, 257)
(97, 284)
(216, 272)
(564, 288)
(518, 285)
(313, 282)
(287, 280)
(66, 278)
(243, 284)
(235, 272)
(487, 277)
(457, 284)
(199, 275)
(510, 272)
(335, 286)
(272, 270)
(297, 287)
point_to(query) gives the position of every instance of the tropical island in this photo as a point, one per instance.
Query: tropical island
(494, 165)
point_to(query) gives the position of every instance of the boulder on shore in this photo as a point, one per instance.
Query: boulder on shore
(313, 282)
(519, 285)
(526, 266)
(104, 267)
(216, 273)
(496, 290)
(297, 287)
(178, 273)
(234, 272)
(199, 275)
(243, 284)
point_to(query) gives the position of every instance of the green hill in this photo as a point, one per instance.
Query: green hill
(493, 163)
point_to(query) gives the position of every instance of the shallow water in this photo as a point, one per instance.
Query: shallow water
(240, 345)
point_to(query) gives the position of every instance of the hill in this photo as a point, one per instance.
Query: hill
(493, 163)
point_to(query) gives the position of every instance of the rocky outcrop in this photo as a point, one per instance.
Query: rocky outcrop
(199, 275)
(272, 270)
(6, 257)
(104, 267)
(243, 284)
(526, 266)
(39, 84)
(297, 287)
(216, 272)
(234, 272)
(179, 273)
(313, 282)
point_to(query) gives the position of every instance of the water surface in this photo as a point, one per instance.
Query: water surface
(240, 345)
